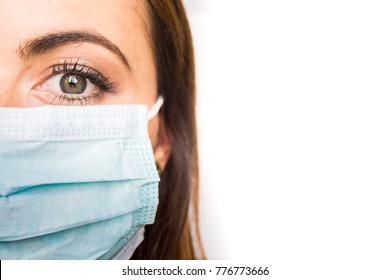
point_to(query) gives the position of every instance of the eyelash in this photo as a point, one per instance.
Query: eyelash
(97, 79)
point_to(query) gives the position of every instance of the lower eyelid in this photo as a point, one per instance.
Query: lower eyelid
(84, 100)
(53, 98)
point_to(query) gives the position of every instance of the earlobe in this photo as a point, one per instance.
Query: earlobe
(162, 150)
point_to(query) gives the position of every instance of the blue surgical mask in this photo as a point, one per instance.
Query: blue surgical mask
(76, 182)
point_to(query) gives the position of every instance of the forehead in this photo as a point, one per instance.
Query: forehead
(122, 21)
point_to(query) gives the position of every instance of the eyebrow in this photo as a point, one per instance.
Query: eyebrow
(49, 42)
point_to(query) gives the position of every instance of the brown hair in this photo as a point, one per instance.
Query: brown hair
(175, 233)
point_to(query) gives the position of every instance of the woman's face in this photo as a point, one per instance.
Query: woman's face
(78, 52)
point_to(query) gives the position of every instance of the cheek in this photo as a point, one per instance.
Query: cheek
(153, 131)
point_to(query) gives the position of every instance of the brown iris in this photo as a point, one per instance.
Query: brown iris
(73, 84)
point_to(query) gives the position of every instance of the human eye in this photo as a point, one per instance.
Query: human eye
(73, 83)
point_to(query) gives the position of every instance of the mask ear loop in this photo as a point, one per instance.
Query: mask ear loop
(151, 114)
(155, 108)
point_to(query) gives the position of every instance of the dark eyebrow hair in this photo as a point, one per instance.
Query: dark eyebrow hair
(49, 42)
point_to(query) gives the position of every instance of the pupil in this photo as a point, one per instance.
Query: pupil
(72, 81)
(73, 84)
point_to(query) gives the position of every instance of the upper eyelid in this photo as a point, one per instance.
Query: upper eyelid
(90, 73)
(72, 68)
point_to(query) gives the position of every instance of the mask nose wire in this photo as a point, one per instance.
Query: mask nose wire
(155, 108)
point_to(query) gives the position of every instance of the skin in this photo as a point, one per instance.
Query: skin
(26, 81)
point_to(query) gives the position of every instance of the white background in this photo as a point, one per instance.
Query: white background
(293, 118)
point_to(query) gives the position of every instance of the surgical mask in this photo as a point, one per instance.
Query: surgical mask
(76, 182)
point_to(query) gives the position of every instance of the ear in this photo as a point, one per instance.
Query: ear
(162, 150)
